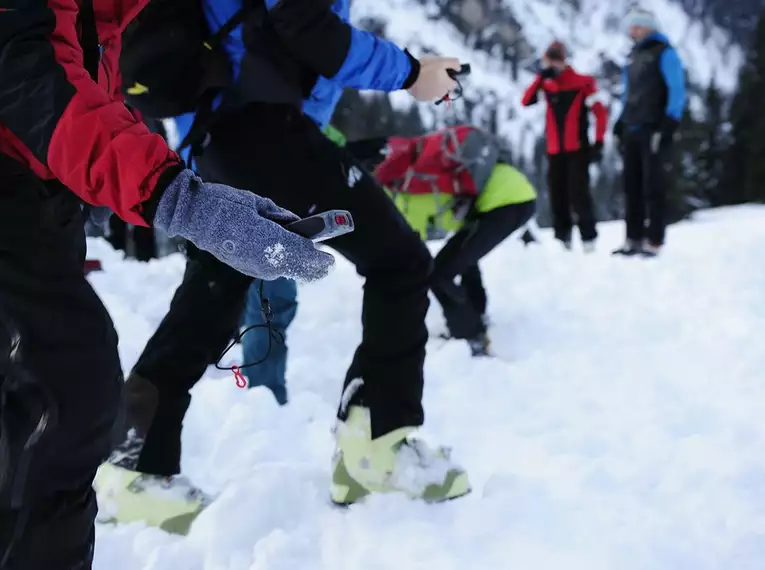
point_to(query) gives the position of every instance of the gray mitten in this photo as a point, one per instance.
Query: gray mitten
(240, 228)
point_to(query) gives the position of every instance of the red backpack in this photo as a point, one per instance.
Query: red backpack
(456, 161)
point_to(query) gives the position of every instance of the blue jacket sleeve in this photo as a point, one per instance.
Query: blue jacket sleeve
(336, 50)
(373, 63)
(674, 77)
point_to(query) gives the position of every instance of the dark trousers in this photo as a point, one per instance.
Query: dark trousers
(62, 383)
(645, 175)
(569, 187)
(280, 154)
(465, 303)
(144, 244)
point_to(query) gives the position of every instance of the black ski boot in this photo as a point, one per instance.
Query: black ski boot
(630, 248)
(480, 345)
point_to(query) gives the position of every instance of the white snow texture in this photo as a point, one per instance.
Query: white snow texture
(621, 427)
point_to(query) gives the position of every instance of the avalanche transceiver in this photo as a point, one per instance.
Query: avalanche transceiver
(324, 226)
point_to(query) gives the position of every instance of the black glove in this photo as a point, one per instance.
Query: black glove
(548, 73)
(663, 136)
(618, 131)
(596, 152)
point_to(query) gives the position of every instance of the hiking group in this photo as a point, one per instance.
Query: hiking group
(652, 102)
(252, 88)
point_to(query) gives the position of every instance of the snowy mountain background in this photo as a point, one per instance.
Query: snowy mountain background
(502, 40)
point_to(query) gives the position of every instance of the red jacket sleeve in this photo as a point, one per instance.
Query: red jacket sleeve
(598, 109)
(68, 123)
(531, 96)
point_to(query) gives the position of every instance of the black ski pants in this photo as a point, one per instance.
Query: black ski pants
(60, 387)
(464, 303)
(279, 153)
(645, 180)
(144, 242)
(569, 186)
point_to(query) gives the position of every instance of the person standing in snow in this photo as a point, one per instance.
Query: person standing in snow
(571, 97)
(307, 50)
(456, 180)
(66, 137)
(653, 102)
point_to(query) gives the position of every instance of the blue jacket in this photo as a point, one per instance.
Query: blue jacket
(371, 63)
(673, 74)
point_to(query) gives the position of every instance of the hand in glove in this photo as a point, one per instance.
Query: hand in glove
(662, 138)
(433, 81)
(240, 228)
(666, 134)
(548, 72)
(596, 152)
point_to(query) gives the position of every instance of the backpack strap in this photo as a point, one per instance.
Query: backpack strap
(241, 15)
(206, 111)
(91, 49)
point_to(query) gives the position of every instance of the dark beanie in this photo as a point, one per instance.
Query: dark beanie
(556, 51)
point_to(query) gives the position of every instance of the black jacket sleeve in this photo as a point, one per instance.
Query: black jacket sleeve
(313, 33)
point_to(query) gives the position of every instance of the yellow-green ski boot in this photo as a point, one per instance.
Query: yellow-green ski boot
(124, 496)
(389, 464)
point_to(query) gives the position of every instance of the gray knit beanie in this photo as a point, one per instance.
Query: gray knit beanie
(641, 17)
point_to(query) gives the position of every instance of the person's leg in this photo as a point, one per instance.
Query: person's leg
(581, 197)
(289, 160)
(205, 309)
(633, 188)
(657, 168)
(145, 244)
(560, 204)
(462, 252)
(60, 380)
(463, 321)
(472, 282)
(281, 295)
(117, 233)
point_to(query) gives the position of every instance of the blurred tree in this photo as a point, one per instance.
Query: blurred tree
(712, 152)
(744, 168)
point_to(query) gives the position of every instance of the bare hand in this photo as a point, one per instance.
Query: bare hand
(434, 82)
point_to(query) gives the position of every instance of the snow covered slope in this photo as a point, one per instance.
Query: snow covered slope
(502, 38)
(622, 428)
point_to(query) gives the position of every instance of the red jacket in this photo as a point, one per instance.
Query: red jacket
(55, 119)
(439, 161)
(569, 98)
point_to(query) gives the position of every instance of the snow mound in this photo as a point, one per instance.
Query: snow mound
(620, 427)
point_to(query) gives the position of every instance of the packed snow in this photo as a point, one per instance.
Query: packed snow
(620, 426)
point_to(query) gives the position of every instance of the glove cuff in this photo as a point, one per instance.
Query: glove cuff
(414, 74)
(173, 195)
(168, 177)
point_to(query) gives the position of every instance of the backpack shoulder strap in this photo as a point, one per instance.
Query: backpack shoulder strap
(91, 49)
(250, 7)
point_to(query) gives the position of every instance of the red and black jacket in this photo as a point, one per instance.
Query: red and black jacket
(570, 98)
(63, 125)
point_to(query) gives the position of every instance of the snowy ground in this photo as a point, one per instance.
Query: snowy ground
(622, 428)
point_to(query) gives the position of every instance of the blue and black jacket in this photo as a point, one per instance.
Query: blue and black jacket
(310, 48)
(654, 84)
